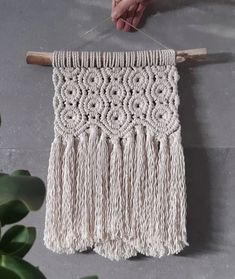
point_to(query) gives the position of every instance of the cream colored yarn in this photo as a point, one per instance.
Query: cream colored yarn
(116, 177)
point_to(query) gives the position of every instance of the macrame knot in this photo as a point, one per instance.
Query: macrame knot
(139, 129)
(83, 137)
(115, 141)
(104, 138)
(116, 175)
(130, 136)
(93, 130)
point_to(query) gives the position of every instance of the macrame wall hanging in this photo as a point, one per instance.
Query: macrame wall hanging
(116, 177)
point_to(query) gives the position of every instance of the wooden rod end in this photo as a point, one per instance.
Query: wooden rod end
(39, 58)
(191, 54)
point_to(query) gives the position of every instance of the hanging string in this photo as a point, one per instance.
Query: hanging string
(94, 27)
(137, 29)
(145, 34)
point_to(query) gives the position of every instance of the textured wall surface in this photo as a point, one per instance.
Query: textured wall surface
(207, 115)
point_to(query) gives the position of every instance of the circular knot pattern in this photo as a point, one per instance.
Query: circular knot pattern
(138, 106)
(70, 90)
(116, 118)
(115, 92)
(137, 79)
(116, 99)
(92, 79)
(93, 104)
(70, 118)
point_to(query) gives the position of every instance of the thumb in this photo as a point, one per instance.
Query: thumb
(122, 7)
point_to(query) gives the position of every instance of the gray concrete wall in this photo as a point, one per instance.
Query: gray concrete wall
(207, 92)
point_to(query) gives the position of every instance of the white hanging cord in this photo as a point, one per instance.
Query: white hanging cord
(137, 29)
(145, 34)
(94, 27)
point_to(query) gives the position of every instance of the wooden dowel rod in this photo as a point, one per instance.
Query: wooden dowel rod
(39, 58)
(45, 58)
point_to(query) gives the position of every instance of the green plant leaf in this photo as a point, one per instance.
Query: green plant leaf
(18, 240)
(20, 185)
(7, 274)
(21, 172)
(12, 212)
(20, 268)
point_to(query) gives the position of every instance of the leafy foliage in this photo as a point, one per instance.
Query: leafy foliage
(12, 212)
(20, 193)
(18, 268)
(21, 186)
(18, 240)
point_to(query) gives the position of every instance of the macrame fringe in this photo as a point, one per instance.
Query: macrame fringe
(128, 182)
(81, 221)
(52, 234)
(91, 183)
(118, 196)
(151, 237)
(102, 189)
(138, 216)
(68, 195)
(178, 235)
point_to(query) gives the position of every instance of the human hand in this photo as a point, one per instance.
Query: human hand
(130, 10)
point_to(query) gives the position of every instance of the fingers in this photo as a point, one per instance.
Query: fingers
(129, 10)
(129, 18)
(121, 8)
(114, 4)
(120, 23)
(138, 15)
